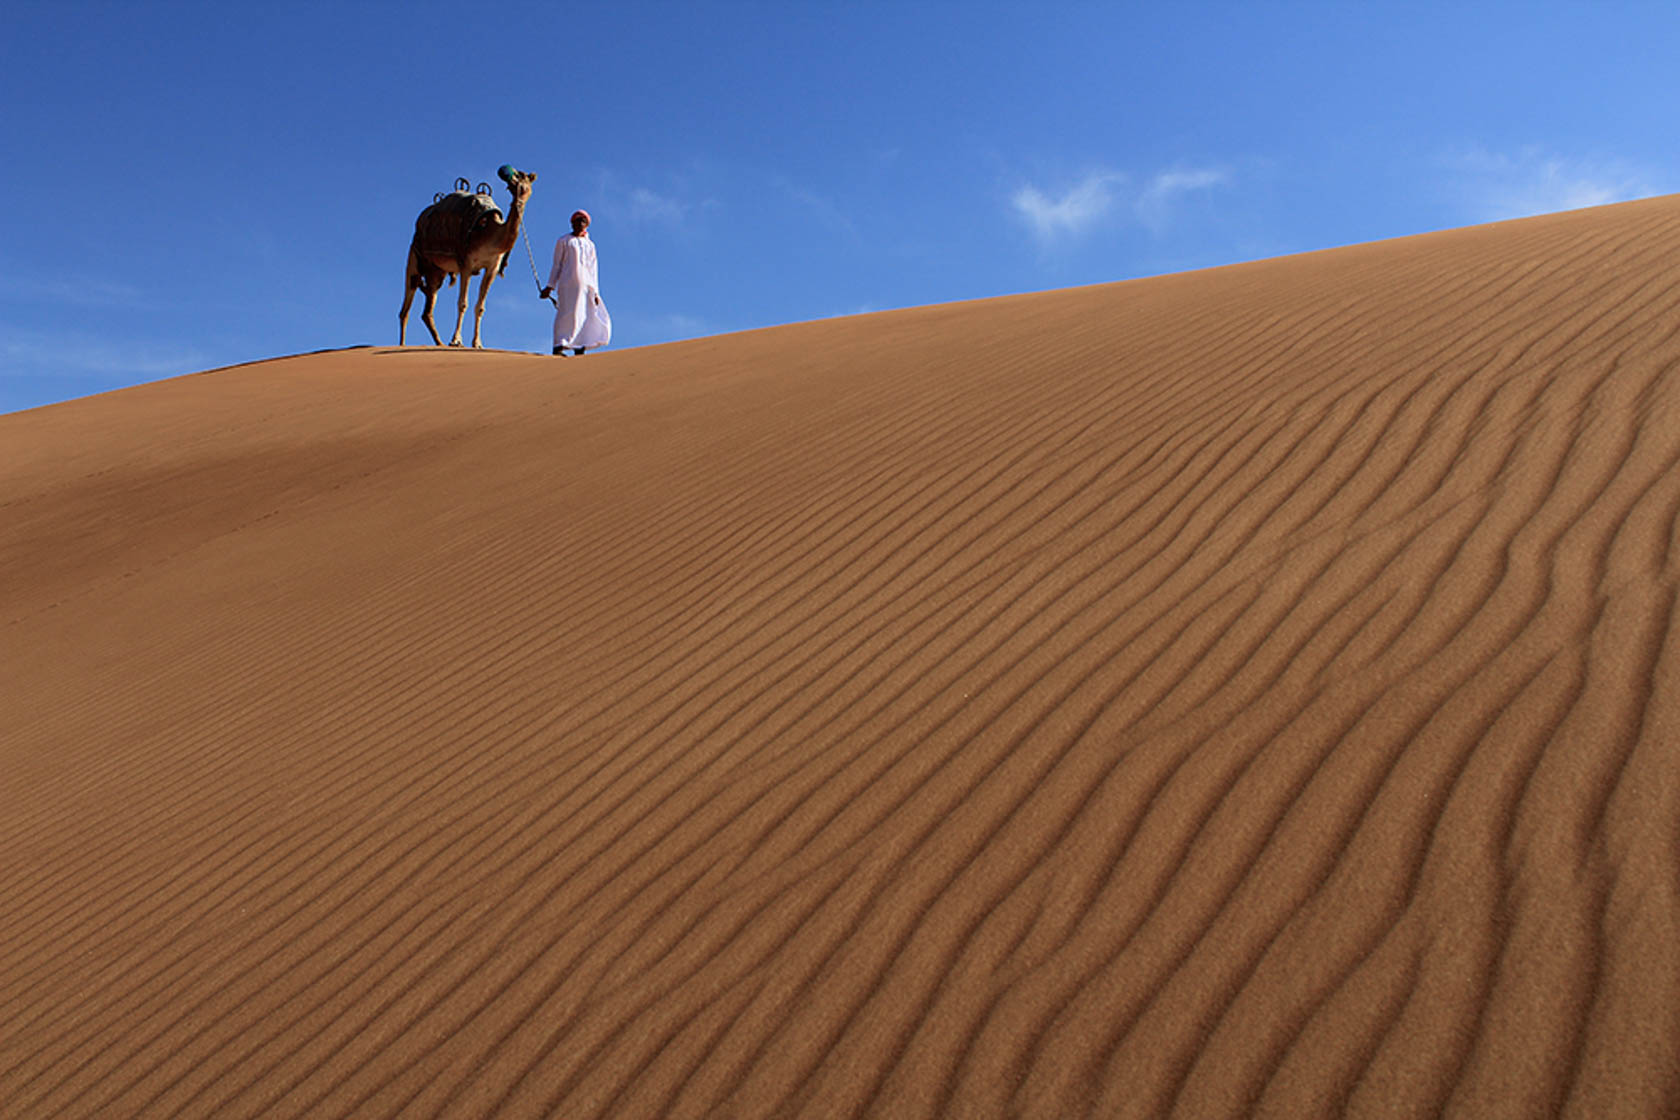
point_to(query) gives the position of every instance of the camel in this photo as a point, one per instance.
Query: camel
(458, 235)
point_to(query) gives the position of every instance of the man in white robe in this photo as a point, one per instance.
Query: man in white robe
(581, 321)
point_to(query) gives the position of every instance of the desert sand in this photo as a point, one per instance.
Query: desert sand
(1245, 692)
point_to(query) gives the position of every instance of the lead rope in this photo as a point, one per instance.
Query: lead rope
(532, 257)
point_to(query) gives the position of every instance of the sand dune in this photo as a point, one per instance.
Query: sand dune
(1247, 692)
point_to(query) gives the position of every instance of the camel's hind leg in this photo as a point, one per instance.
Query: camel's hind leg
(478, 308)
(431, 281)
(411, 280)
(461, 303)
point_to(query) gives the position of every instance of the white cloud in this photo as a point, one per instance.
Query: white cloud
(617, 200)
(653, 327)
(676, 322)
(824, 208)
(1074, 212)
(644, 205)
(1154, 205)
(1493, 186)
(860, 309)
(1109, 195)
(78, 353)
(74, 290)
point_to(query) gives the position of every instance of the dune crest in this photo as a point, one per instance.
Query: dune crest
(1246, 692)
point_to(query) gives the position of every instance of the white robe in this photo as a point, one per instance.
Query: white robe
(580, 320)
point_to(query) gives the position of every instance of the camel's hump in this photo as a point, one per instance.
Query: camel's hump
(448, 225)
(465, 204)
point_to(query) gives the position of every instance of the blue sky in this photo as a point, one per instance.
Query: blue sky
(196, 185)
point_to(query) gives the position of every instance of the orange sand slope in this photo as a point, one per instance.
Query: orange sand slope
(1249, 691)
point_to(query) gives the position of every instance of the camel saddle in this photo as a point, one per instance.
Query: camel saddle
(446, 227)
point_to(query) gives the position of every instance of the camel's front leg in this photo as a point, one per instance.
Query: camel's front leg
(478, 309)
(465, 278)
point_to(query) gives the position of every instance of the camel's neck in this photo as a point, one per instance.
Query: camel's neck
(510, 228)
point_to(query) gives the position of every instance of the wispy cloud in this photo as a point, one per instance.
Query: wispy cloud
(1154, 205)
(644, 205)
(823, 208)
(1493, 186)
(653, 327)
(74, 291)
(1072, 212)
(860, 309)
(676, 322)
(1109, 196)
(675, 205)
(82, 354)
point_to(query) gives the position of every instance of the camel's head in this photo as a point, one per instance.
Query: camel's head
(518, 182)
